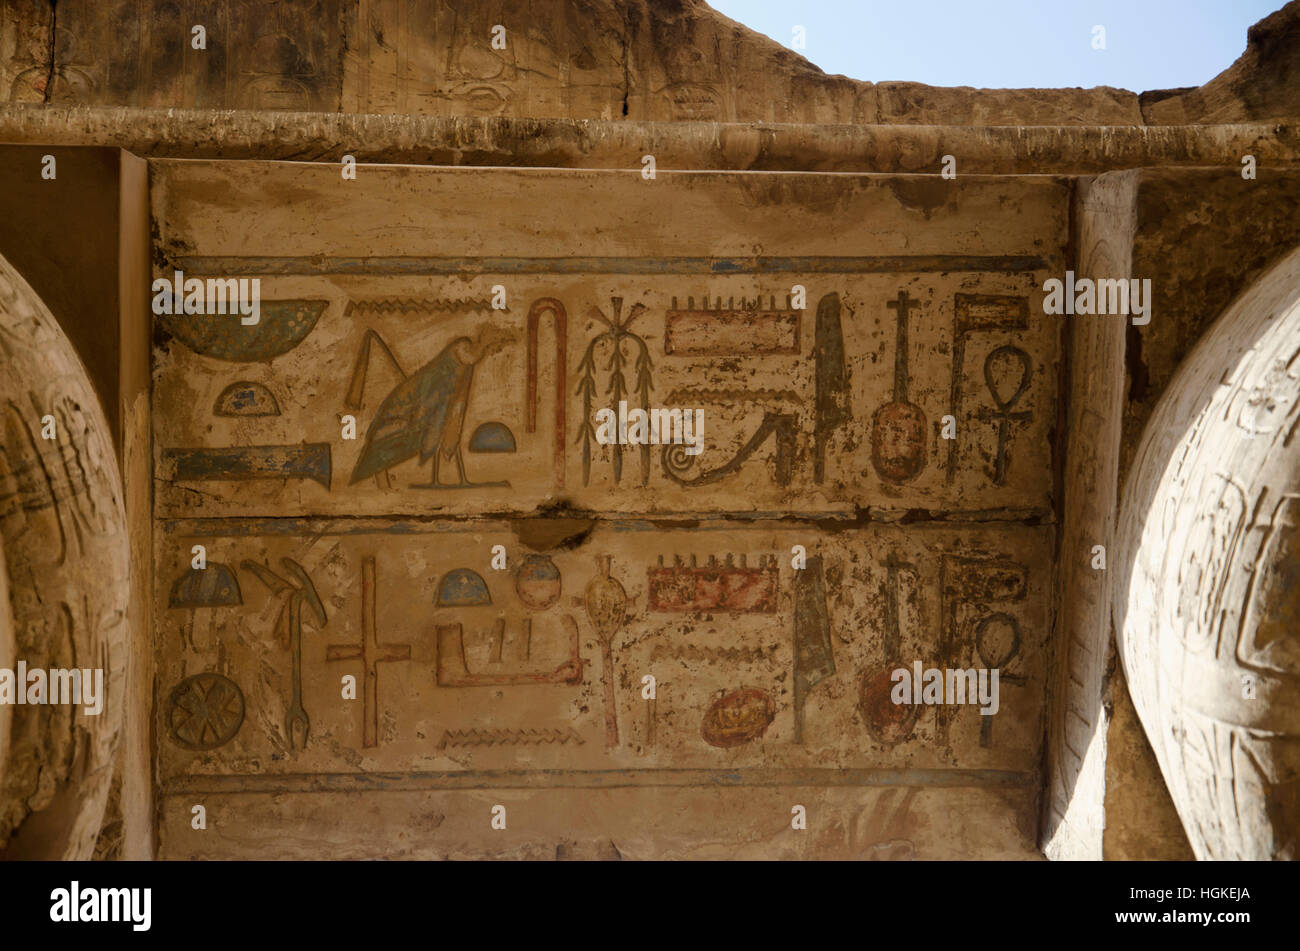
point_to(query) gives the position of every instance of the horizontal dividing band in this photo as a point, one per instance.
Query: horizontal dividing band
(591, 779)
(680, 147)
(310, 526)
(452, 266)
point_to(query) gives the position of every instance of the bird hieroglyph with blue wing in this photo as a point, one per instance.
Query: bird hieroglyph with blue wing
(425, 413)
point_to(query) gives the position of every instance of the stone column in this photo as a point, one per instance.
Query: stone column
(63, 531)
(1206, 598)
(1106, 214)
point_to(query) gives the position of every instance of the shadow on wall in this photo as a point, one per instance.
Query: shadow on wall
(61, 235)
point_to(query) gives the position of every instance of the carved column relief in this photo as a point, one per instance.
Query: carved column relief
(64, 536)
(1205, 604)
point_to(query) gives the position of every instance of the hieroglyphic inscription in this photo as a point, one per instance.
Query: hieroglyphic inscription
(453, 671)
(246, 398)
(714, 587)
(524, 737)
(539, 309)
(1003, 415)
(811, 413)
(898, 427)
(297, 584)
(305, 461)
(978, 313)
(205, 711)
(607, 604)
(730, 330)
(623, 346)
(783, 432)
(833, 396)
(782, 427)
(969, 591)
(787, 632)
(282, 325)
(424, 415)
(814, 659)
(371, 653)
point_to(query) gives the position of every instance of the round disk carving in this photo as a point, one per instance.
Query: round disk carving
(737, 718)
(205, 711)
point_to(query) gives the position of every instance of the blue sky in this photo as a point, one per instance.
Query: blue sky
(1150, 44)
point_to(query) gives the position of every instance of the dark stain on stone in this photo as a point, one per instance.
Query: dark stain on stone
(553, 529)
(1138, 374)
(923, 194)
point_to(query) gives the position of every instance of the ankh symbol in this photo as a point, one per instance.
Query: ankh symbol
(1003, 413)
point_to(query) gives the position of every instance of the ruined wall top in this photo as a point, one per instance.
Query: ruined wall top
(666, 60)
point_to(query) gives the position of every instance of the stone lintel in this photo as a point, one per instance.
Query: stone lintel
(609, 144)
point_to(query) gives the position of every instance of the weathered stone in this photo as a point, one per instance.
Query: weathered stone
(1106, 215)
(492, 141)
(918, 104)
(414, 821)
(623, 257)
(140, 54)
(676, 61)
(1181, 244)
(771, 584)
(64, 534)
(1141, 823)
(1205, 603)
(1261, 84)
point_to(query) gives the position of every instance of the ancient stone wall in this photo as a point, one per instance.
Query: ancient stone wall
(1198, 262)
(904, 458)
(824, 364)
(669, 61)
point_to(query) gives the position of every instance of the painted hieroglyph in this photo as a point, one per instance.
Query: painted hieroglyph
(874, 488)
